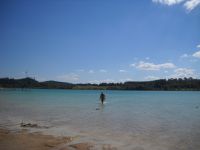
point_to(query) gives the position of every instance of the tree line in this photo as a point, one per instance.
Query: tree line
(161, 84)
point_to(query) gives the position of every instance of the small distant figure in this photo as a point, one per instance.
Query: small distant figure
(102, 97)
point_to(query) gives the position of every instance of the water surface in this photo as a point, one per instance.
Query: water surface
(135, 120)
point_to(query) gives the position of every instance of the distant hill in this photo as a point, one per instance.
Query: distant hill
(19, 83)
(162, 84)
(56, 85)
(32, 83)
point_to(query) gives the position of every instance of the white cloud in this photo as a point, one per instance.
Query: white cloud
(153, 67)
(168, 2)
(132, 65)
(95, 81)
(68, 77)
(184, 56)
(151, 78)
(183, 72)
(122, 71)
(191, 4)
(125, 80)
(102, 81)
(147, 58)
(103, 70)
(108, 81)
(188, 4)
(196, 54)
(198, 46)
(91, 71)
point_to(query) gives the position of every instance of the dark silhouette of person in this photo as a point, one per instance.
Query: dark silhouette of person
(102, 97)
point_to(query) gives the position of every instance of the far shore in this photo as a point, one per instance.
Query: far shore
(185, 84)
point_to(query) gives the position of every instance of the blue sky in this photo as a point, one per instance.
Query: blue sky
(100, 40)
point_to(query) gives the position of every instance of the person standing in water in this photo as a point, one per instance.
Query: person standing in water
(102, 97)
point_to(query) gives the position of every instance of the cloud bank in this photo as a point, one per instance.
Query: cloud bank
(196, 54)
(191, 4)
(183, 73)
(168, 2)
(152, 78)
(188, 4)
(152, 67)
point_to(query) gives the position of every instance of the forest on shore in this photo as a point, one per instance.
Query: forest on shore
(188, 84)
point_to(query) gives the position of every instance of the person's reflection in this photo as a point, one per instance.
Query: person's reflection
(100, 107)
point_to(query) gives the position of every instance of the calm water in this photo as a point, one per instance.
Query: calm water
(135, 120)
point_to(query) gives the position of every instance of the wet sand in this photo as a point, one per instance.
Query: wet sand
(23, 140)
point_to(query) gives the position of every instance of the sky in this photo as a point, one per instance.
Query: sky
(81, 41)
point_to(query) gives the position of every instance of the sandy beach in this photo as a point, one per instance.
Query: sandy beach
(23, 140)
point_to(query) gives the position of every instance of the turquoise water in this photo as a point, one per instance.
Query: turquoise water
(137, 120)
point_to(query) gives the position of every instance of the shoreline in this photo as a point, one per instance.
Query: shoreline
(23, 139)
(76, 89)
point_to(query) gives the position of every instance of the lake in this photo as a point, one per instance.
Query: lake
(132, 120)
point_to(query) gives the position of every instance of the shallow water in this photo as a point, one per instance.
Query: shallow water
(135, 120)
